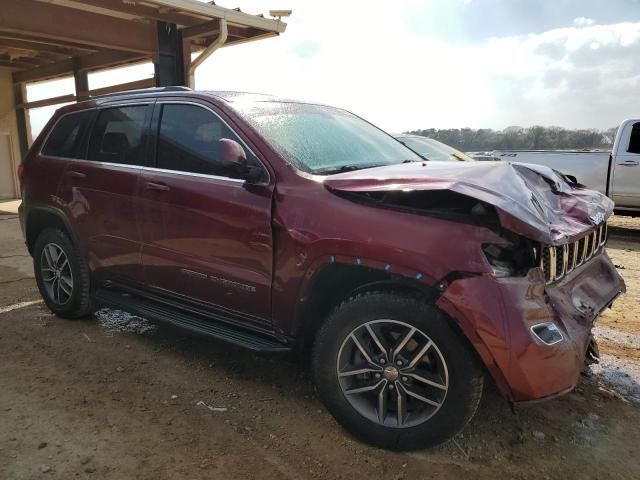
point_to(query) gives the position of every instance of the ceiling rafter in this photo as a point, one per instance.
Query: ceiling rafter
(34, 18)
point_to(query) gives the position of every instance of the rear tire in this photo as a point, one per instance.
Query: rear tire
(427, 380)
(62, 275)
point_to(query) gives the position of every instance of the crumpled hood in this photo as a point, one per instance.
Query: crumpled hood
(531, 200)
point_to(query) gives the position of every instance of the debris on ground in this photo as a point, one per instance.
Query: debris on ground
(213, 409)
(119, 321)
(621, 375)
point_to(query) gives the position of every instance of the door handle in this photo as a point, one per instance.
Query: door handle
(157, 187)
(629, 163)
(78, 175)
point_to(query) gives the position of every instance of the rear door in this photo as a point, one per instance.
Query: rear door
(100, 191)
(207, 235)
(626, 168)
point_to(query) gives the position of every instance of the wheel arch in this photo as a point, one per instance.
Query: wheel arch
(42, 217)
(331, 283)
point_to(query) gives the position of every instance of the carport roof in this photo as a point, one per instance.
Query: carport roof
(44, 39)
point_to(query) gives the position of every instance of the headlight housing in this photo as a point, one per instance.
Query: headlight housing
(513, 258)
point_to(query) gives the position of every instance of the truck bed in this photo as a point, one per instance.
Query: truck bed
(589, 168)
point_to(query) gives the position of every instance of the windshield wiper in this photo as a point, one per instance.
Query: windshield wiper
(346, 168)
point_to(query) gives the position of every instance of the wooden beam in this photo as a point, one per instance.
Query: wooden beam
(206, 28)
(38, 47)
(108, 58)
(63, 47)
(212, 28)
(45, 72)
(144, 11)
(123, 87)
(31, 61)
(15, 64)
(237, 41)
(46, 20)
(93, 61)
(200, 43)
(48, 101)
(33, 57)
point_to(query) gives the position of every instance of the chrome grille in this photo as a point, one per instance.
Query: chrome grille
(556, 261)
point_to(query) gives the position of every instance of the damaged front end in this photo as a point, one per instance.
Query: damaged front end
(530, 200)
(530, 318)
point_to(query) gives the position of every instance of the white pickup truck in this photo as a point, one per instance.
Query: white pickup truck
(616, 173)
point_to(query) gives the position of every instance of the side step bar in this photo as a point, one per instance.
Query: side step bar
(199, 323)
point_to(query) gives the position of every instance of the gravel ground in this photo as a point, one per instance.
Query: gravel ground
(621, 375)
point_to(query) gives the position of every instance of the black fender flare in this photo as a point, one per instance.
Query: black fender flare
(49, 211)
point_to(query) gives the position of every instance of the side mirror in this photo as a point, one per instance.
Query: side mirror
(234, 159)
(232, 155)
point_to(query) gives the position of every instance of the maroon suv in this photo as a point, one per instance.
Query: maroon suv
(275, 224)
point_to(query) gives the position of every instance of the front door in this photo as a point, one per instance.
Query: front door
(207, 235)
(626, 165)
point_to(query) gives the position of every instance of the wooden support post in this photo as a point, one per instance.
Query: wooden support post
(169, 65)
(19, 96)
(81, 79)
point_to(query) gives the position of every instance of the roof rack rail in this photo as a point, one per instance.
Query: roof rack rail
(173, 88)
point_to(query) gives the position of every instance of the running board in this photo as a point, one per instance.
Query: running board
(195, 322)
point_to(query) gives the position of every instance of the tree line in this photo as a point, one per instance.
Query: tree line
(518, 138)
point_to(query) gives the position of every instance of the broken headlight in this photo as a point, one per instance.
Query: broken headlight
(511, 259)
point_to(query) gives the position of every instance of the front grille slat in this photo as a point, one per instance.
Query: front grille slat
(545, 263)
(556, 262)
(587, 247)
(572, 252)
(552, 263)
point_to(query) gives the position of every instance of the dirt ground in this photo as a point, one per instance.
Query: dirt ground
(117, 398)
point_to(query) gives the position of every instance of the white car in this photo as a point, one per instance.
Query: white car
(434, 150)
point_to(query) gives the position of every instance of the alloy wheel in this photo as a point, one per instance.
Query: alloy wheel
(392, 373)
(56, 273)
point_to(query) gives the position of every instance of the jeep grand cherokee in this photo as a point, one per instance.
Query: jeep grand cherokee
(275, 224)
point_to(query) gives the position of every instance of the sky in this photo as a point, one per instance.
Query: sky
(413, 64)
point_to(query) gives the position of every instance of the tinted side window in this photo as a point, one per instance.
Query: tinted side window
(67, 139)
(117, 135)
(634, 142)
(188, 141)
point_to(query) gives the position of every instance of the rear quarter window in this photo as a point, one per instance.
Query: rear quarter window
(634, 140)
(68, 137)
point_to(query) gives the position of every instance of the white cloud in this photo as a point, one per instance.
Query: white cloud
(573, 76)
(583, 22)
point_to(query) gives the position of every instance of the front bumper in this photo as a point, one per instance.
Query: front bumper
(497, 315)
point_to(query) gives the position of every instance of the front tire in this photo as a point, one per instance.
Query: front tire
(62, 275)
(394, 372)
